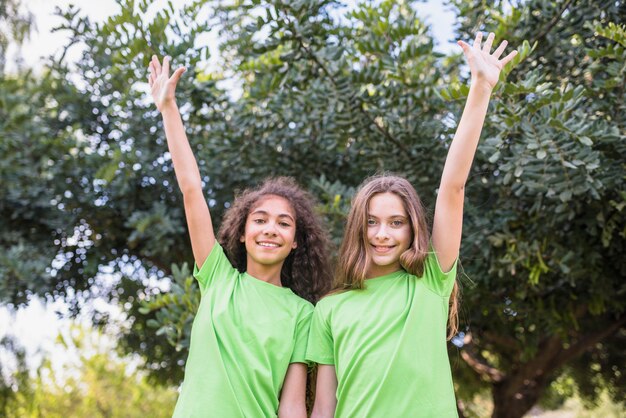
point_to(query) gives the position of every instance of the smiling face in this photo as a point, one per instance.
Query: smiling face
(269, 233)
(388, 233)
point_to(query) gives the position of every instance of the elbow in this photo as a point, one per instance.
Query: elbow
(188, 188)
(452, 188)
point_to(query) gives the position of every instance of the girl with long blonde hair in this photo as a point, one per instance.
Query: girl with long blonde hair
(380, 337)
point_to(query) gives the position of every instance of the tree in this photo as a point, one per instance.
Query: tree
(330, 96)
(16, 25)
(92, 383)
(15, 375)
(555, 227)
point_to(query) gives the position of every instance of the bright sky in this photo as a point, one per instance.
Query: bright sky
(44, 41)
(37, 326)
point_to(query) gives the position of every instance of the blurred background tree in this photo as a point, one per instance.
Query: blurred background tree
(92, 382)
(15, 27)
(329, 96)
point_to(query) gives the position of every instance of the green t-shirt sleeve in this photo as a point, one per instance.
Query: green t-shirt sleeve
(320, 348)
(303, 327)
(215, 267)
(437, 280)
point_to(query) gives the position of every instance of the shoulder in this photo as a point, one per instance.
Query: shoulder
(437, 280)
(301, 306)
(433, 268)
(216, 267)
(331, 300)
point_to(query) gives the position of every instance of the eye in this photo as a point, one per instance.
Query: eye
(284, 224)
(371, 222)
(397, 223)
(258, 221)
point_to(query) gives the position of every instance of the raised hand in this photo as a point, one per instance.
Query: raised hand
(162, 86)
(484, 66)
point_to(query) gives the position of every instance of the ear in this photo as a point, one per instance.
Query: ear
(294, 245)
(242, 239)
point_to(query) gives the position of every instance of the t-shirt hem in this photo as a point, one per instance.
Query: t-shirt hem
(446, 279)
(203, 273)
(321, 360)
(301, 360)
(445, 274)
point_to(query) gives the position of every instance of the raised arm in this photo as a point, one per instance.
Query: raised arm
(199, 223)
(448, 220)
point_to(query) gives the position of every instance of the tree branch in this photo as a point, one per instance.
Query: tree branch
(551, 24)
(589, 340)
(478, 363)
(502, 340)
(330, 76)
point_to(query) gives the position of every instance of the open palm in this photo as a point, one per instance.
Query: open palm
(485, 66)
(162, 86)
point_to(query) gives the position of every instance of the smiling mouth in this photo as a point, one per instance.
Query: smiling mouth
(268, 244)
(383, 249)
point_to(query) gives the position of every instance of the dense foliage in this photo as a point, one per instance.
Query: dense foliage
(330, 95)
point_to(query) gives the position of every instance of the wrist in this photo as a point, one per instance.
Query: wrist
(168, 107)
(481, 86)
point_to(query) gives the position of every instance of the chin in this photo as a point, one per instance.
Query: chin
(268, 261)
(385, 260)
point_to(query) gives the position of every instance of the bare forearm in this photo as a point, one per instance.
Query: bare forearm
(320, 414)
(465, 142)
(293, 411)
(185, 165)
(326, 392)
(293, 394)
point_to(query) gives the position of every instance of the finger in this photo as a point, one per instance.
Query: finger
(152, 70)
(150, 80)
(504, 61)
(489, 42)
(478, 39)
(463, 45)
(177, 74)
(166, 66)
(500, 50)
(157, 65)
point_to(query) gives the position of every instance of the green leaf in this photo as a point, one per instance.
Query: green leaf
(565, 196)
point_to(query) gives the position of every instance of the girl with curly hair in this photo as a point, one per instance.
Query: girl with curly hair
(380, 337)
(257, 283)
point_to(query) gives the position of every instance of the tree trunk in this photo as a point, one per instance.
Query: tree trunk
(516, 392)
(513, 398)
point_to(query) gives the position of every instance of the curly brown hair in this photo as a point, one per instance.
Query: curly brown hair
(306, 271)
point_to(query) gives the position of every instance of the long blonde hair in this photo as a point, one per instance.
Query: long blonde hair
(353, 255)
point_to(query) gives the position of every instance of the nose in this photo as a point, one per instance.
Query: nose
(381, 233)
(269, 229)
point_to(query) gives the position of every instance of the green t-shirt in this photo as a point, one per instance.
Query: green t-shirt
(388, 345)
(244, 336)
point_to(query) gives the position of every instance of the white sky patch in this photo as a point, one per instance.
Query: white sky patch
(43, 42)
(441, 20)
(35, 328)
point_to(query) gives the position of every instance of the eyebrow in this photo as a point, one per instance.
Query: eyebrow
(392, 216)
(280, 215)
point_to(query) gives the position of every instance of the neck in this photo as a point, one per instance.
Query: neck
(374, 270)
(266, 273)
